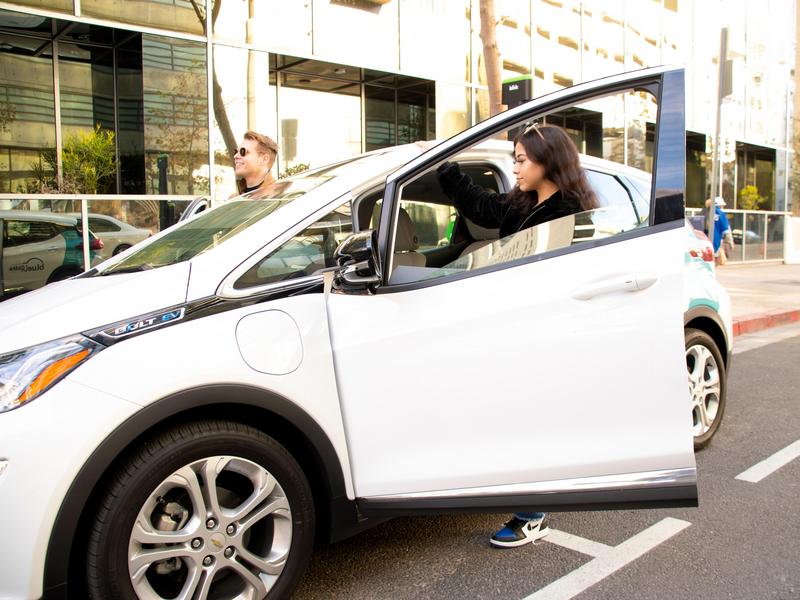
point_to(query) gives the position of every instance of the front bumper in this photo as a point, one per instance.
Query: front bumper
(44, 444)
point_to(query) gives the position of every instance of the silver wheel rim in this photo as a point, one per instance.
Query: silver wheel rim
(704, 388)
(220, 527)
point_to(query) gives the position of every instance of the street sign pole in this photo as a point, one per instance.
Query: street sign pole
(724, 88)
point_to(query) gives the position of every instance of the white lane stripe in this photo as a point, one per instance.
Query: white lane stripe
(576, 543)
(769, 465)
(601, 567)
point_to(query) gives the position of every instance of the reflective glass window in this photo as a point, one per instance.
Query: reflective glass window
(60, 5)
(186, 16)
(753, 236)
(774, 241)
(320, 120)
(86, 77)
(175, 107)
(27, 113)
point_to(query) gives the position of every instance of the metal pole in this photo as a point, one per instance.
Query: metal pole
(715, 162)
(85, 234)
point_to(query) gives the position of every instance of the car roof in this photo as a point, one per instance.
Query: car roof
(32, 215)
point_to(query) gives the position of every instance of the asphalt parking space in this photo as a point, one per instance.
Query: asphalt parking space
(742, 542)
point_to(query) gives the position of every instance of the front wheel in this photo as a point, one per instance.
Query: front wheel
(707, 384)
(210, 509)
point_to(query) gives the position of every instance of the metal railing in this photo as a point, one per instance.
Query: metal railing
(758, 235)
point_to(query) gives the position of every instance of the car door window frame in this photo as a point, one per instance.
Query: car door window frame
(227, 289)
(666, 85)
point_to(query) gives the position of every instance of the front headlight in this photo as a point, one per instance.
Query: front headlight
(27, 373)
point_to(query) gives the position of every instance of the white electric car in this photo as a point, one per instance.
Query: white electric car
(186, 419)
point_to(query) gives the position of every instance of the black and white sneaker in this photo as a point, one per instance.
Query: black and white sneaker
(518, 532)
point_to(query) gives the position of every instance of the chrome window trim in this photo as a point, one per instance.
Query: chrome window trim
(626, 481)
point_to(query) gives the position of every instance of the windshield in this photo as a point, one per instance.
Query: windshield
(210, 228)
(203, 233)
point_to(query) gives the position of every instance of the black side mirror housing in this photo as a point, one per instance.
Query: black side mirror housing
(357, 258)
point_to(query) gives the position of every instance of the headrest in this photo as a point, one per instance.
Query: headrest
(406, 239)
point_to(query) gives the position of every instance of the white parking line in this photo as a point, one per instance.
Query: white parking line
(769, 465)
(609, 560)
(579, 544)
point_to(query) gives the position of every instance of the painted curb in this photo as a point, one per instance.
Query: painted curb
(757, 322)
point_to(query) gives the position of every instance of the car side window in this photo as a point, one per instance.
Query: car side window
(303, 254)
(600, 145)
(617, 209)
(21, 233)
(102, 226)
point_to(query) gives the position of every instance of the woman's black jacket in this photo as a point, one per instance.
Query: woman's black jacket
(492, 210)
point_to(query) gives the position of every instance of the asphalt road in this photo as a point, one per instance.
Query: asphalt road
(742, 542)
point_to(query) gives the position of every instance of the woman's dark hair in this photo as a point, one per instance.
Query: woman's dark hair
(551, 147)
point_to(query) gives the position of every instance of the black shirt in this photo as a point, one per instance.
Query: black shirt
(492, 210)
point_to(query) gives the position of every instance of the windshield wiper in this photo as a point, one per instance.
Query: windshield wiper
(133, 269)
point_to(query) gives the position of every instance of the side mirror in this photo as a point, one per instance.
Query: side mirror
(195, 207)
(357, 257)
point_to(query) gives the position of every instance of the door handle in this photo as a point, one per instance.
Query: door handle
(632, 282)
(51, 248)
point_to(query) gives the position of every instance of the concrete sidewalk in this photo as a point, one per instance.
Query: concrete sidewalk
(762, 294)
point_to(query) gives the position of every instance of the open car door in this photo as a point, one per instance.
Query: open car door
(547, 376)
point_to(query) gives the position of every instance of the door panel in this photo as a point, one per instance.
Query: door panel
(506, 378)
(551, 374)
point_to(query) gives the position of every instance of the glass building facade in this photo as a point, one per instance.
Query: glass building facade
(175, 83)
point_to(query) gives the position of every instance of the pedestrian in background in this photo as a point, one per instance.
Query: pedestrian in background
(253, 161)
(723, 238)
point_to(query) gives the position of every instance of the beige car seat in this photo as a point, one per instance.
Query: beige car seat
(406, 243)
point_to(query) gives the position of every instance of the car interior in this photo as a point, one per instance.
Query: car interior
(433, 239)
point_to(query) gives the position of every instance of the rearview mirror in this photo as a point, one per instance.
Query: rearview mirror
(357, 257)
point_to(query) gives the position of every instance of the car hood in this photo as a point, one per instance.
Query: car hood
(75, 305)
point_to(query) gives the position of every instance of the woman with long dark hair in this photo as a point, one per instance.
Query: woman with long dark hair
(550, 184)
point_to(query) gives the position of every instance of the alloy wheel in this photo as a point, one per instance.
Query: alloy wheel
(704, 387)
(219, 527)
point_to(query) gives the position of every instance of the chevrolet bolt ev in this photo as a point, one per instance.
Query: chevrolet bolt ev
(188, 418)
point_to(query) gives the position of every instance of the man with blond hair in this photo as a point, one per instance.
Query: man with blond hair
(253, 161)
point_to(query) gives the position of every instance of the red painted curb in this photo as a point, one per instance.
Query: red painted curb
(757, 322)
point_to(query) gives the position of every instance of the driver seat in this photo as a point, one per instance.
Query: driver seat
(406, 243)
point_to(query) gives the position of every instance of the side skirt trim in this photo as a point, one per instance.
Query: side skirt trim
(657, 489)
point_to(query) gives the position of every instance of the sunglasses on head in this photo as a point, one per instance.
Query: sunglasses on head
(533, 127)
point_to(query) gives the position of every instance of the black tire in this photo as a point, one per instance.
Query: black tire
(120, 248)
(704, 362)
(142, 477)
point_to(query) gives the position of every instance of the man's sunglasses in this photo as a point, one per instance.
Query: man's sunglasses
(241, 152)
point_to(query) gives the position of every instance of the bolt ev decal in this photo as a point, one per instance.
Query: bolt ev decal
(142, 324)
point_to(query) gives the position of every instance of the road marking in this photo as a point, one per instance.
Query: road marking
(609, 561)
(576, 543)
(769, 465)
